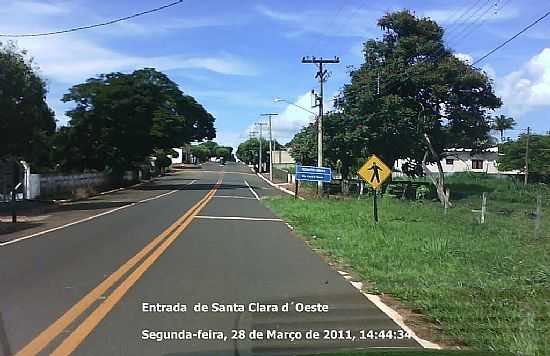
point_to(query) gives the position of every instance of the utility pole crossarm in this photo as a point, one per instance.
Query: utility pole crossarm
(320, 60)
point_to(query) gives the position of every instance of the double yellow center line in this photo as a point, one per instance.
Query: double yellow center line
(152, 251)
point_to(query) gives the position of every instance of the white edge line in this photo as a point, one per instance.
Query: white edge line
(23, 238)
(252, 190)
(233, 197)
(398, 319)
(235, 218)
(66, 225)
(276, 186)
(158, 196)
(391, 313)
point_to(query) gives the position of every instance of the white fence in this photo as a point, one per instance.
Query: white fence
(51, 185)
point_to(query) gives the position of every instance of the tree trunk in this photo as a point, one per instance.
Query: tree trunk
(442, 193)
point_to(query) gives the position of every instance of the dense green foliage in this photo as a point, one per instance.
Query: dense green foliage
(484, 286)
(121, 119)
(249, 150)
(27, 124)
(206, 150)
(513, 155)
(423, 90)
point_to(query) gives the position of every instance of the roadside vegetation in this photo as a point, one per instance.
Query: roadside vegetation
(486, 286)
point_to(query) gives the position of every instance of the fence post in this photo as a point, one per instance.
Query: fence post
(538, 216)
(483, 207)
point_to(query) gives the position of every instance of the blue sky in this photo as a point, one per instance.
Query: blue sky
(236, 56)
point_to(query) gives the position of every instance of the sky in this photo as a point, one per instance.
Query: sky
(235, 57)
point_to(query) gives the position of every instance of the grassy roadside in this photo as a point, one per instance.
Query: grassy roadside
(487, 286)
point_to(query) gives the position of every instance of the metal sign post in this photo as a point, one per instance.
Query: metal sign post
(375, 172)
(375, 201)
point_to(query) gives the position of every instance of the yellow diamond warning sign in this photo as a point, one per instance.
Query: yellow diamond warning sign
(374, 171)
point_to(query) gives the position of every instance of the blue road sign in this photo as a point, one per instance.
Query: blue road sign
(315, 174)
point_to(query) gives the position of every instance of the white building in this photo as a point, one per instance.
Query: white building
(462, 160)
(184, 155)
(282, 157)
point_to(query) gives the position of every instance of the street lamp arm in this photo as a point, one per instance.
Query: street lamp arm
(296, 105)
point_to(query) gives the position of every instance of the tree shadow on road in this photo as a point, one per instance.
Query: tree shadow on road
(8, 228)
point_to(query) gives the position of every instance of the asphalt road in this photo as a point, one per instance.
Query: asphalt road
(203, 237)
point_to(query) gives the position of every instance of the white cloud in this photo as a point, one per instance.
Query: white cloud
(70, 59)
(528, 88)
(461, 15)
(351, 21)
(228, 138)
(292, 118)
(36, 8)
(466, 58)
(73, 57)
(145, 27)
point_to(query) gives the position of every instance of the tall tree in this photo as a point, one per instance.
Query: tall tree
(211, 146)
(412, 98)
(303, 146)
(27, 124)
(248, 151)
(121, 119)
(513, 155)
(502, 123)
(223, 152)
(200, 152)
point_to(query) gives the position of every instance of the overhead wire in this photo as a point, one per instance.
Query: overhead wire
(525, 29)
(80, 28)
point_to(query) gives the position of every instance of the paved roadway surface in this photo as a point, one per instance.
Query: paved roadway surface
(80, 289)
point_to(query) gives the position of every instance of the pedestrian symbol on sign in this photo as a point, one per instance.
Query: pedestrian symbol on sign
(374, 168)
(374, 172)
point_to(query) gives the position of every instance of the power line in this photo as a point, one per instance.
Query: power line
(74, 29)
(443, 52)
(467, 14)
(478, 22)
(525, 29)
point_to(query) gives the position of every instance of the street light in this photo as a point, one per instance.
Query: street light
(278, 100)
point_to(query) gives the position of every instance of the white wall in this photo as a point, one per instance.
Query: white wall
(282, 157)
(179, 159)
(463, 161)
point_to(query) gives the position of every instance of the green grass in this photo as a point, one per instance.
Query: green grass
(488, 286)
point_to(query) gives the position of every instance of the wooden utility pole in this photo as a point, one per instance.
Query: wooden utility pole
(322, 75)
(260, 124)
(270, 147)
(527, 156)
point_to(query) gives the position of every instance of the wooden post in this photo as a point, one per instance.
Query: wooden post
(296, 188)
(483, 207)
(538, 217)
